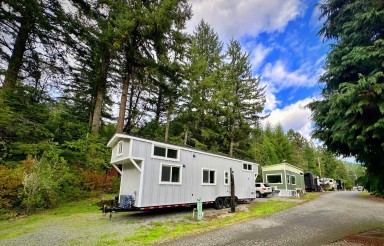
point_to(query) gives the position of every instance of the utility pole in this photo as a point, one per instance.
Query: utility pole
(232, 191)
(318, 161)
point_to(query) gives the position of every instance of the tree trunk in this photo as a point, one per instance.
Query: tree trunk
(123, 104)
(128, 126)
(16, 60)
(169, 112)
(101, 90)
(158, 105)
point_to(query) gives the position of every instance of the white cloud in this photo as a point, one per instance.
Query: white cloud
(258, 54)
(277, 77)
(295, 116)
(244, 17)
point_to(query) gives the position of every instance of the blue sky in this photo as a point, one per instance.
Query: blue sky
(285, 50)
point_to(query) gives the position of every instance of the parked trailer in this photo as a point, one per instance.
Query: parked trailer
(340, 184)
(157, 175)
(311, 182)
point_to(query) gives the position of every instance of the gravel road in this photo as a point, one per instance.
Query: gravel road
(324, 220)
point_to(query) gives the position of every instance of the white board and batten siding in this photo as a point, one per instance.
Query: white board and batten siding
(142, 173)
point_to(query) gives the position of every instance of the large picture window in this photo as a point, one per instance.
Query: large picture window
(165, 152)
(209, 176)
(274, 178)
(170, 174)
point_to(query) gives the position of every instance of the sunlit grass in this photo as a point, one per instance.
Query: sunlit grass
(171, 229)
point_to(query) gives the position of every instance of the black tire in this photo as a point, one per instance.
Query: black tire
(227, 202)
(219, 203)
(236, 201)
(265, 195)
(258, 194)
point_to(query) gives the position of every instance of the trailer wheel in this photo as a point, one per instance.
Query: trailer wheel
(236, 201)
(227, 202)
(258, 195)
(219, 203)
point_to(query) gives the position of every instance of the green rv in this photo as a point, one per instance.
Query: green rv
(284, 177)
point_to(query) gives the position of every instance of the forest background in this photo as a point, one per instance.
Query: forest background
(64, 64)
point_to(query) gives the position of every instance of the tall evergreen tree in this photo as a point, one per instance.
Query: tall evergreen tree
(349, 118)
(200, 92)
(243, 99)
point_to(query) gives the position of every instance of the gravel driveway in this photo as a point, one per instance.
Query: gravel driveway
(324, 220)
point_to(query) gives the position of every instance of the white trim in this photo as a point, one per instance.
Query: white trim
(226, 171)
(202, 176)
(170, 182)
(117, 169)
(118, 148)
(110, 144)
(285, 176)
(166, 152)
(273, 174)
(135, 164)
(141, 185)
(130, 147)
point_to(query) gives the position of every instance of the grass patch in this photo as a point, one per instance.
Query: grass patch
(364, 194)
(310, 196)
(167, 230)
(29, 224)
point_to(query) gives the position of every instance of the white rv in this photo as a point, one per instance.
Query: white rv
(160, 175)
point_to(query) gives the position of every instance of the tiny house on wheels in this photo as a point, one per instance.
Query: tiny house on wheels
(284, 177)
(160, 175)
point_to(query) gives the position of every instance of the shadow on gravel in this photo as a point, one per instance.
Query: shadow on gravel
(372, 238)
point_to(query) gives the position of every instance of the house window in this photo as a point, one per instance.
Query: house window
(288, 179)
(293, 180)
(159, 151)
(170, 174)
(226, 178)
(120, 148)
(274, 178)
(167, 153)
(209, 176)
(247, 167)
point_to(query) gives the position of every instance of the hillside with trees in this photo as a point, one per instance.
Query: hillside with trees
(67, 68)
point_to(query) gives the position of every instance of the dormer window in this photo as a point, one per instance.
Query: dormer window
(120, 148)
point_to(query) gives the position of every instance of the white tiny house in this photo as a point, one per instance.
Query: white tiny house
(156, 174)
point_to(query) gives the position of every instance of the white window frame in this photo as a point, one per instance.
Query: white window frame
(288, 179)
(166, 152)
(276, 174)
(170, 182)
(120, 143)
(202, 176)
(293, 176)
(226, 172)
(248, 165)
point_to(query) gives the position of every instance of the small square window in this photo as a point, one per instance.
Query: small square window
(293, 180)
(159, 151)
(170, 174)
(209, 176)
(172, 153)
